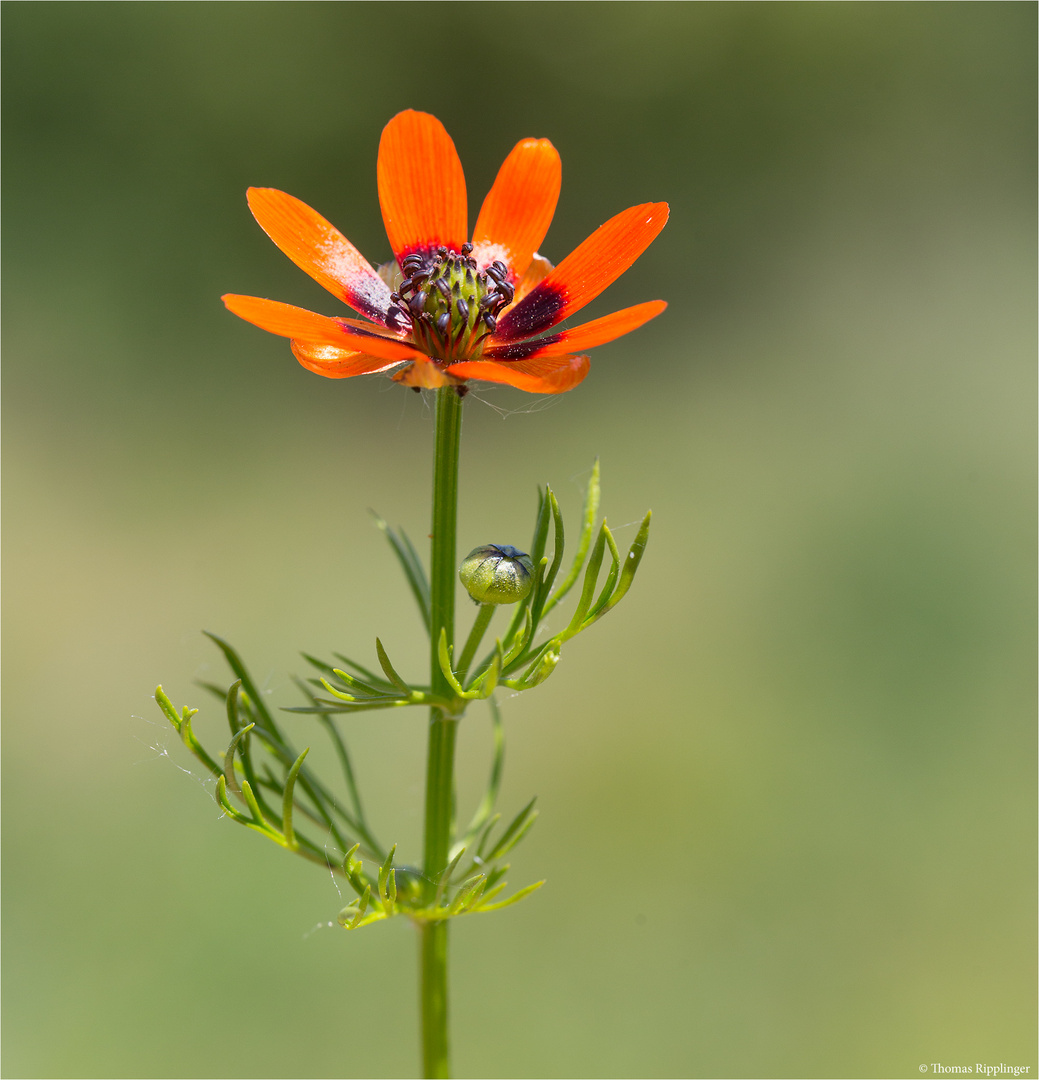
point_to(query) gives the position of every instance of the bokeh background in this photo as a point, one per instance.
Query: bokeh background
(787, 789)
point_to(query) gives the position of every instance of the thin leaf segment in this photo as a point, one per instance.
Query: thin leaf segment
(458, 309)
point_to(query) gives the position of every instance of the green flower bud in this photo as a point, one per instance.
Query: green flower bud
(497, 574)
(545, 667)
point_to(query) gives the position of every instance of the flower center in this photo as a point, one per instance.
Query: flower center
(451, 307)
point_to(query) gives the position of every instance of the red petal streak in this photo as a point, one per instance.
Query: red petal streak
(421, 185)
(585, 272)
(335, 363)
(518, 210)
(320, 249)
(587, 336)
(307, 326)
(541, 376)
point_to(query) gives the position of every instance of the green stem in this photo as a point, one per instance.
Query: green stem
(434, 1000)
(442, 729)
(482, 621)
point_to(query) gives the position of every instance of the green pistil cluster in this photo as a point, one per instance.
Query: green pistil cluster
(451, 306)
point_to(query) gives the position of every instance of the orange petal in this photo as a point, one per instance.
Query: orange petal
(585, 272)
(536, 273)
(286, 320)
(320, 249)
(552, 375)
(424, 375)
(586, 336)
(518, 209)
(302, 325)
(421, 186)
(336, 363)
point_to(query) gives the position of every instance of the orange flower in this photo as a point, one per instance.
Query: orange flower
(456, 310)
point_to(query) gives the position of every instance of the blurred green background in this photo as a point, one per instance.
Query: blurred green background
(787, 790)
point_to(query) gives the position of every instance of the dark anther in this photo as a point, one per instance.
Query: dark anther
(489, 321)
(463, 309)
(506, 291)
(411, 263)
(467, 248)
(420, 275)
(417, 303)
(443, 322)
(445, 289)
(395, 297)
(442, 252)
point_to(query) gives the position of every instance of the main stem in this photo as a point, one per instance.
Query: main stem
(442, 729)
